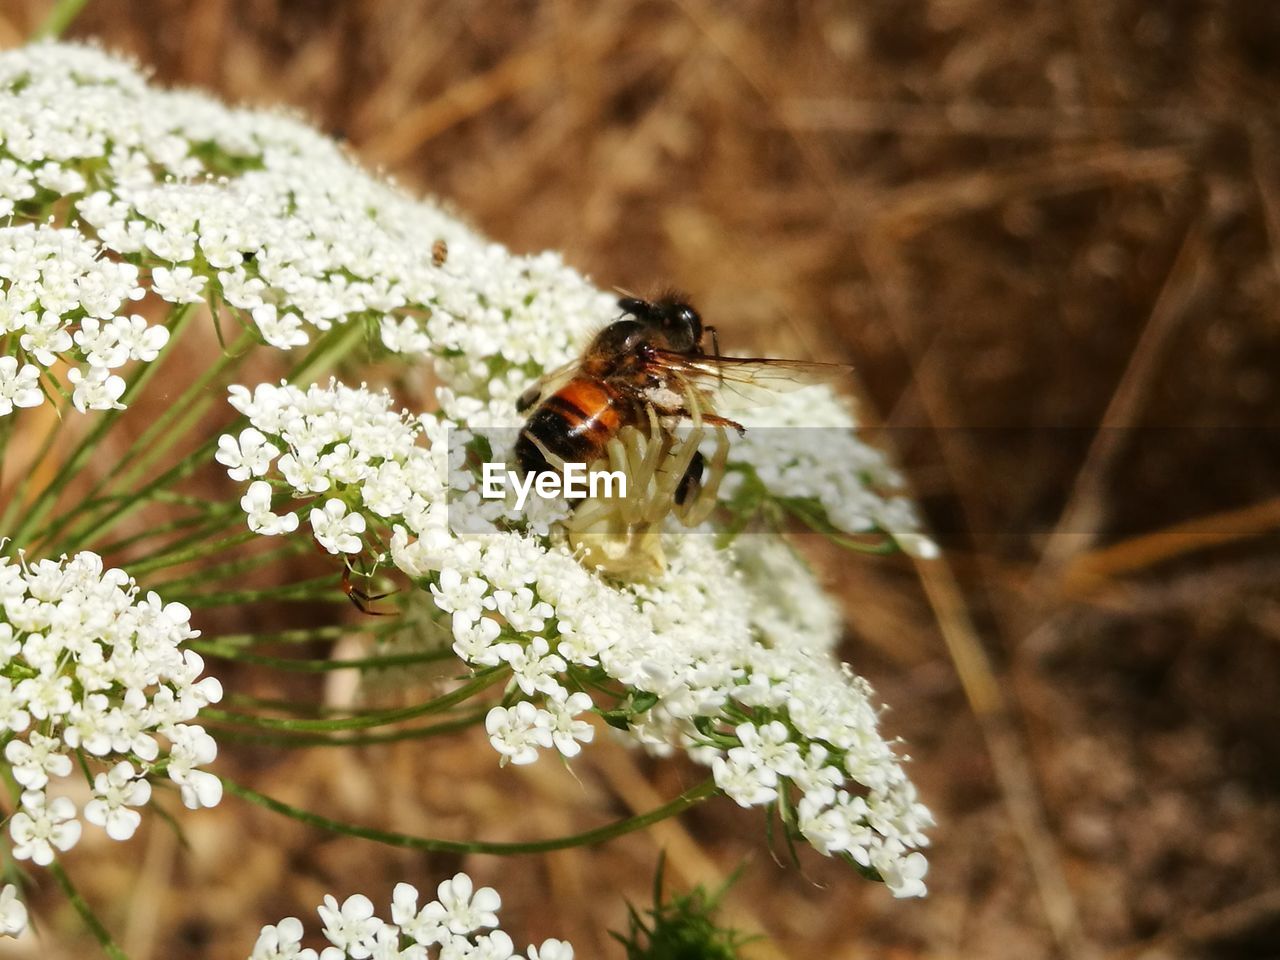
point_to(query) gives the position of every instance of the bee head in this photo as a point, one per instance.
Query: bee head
(684, 325)
(672, 314)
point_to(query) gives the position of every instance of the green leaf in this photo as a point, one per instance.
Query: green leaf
(682, 928)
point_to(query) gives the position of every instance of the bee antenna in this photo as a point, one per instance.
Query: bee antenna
(629, 303)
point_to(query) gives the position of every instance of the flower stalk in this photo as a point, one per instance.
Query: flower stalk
(91, 920)
(671, 808)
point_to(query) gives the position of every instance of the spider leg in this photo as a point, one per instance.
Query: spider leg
(681, 455)
(694, 511)
(650, 503)
(554, 460)
(593, 510)
(361, 600)
(527, 399)
(691, 483)
(637, 461)
(653, 449)
(611, 534)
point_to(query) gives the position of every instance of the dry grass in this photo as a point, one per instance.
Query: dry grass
(1009, 217)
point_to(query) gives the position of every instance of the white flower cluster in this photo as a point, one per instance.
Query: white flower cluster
(87, 667)
(262, 213)
(349, 452)
(61, 302)
(460, 924)
(802, 445)
(178, 194)
(731, 650)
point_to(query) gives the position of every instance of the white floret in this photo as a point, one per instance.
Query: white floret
(104, 673)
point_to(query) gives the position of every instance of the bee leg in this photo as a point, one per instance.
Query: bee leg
(715, 347)
(716, 421)
(704, 500)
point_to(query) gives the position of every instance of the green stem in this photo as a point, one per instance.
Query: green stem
(19, 496)
(212, 649)
(291, 741)
(372, 718)
(58, 19)
(49, 497)
(90, 918)
(206, 522)
(301, 635)
(124, 506)
(318, 590)
(292, 707)
(157, 439)
(819, 524)
(185, 554)
(235, 568)
(327, 351)
(6, 431)
(599, 835)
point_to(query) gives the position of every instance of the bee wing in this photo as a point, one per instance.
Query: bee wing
(752, 378)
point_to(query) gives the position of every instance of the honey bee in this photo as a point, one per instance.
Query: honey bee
(620, 404)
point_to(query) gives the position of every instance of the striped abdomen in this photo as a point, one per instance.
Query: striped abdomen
(574, 424)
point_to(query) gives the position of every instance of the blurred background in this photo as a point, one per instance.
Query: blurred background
(1048, 237)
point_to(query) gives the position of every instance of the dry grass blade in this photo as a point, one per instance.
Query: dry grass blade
(1190, 935)
(911, 209)
(1091, 570)
(974, 118)
(1265, 160)
(459, 102)
(1082, 516)
(1014, 774)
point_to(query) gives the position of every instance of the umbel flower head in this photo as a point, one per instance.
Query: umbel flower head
(727, 654)
(89, 667)
(461, 923)
(173, 197)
